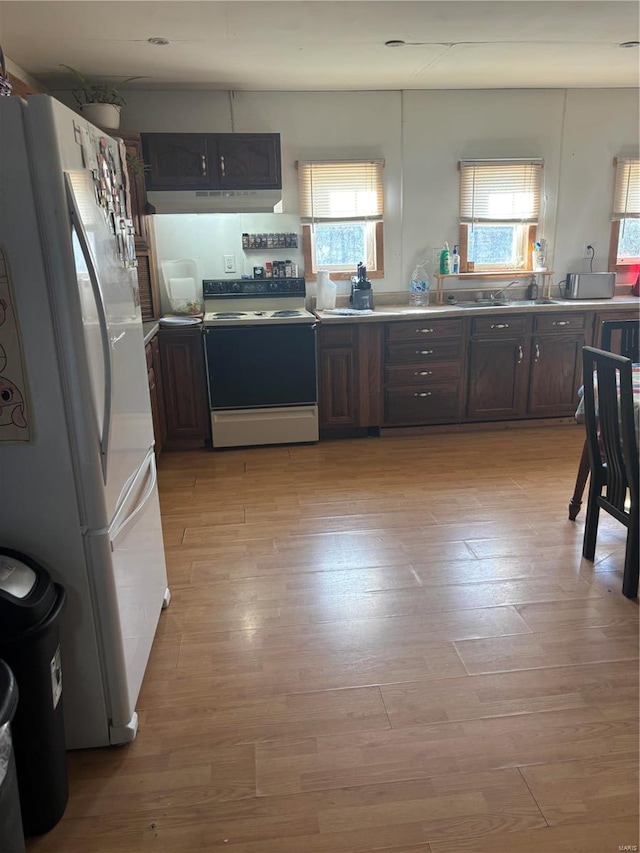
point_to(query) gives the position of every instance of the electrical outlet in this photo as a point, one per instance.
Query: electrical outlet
(588, 252)
(229, 263)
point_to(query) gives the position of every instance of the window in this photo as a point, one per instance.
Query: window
(624, 249)
(341, 206)
(499, 208)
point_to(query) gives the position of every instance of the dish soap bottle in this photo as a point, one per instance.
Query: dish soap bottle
(419, 287)
(455, 261)
(445, 260)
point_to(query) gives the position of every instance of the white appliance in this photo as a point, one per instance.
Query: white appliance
(215, 201)
(260, 345)
(80, 496)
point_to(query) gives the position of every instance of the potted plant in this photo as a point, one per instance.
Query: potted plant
(99, 103)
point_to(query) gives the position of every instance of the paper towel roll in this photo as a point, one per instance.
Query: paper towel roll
(182, 288)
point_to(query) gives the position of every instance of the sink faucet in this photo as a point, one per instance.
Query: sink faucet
(504, 289)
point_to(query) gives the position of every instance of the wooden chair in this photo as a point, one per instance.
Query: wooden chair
(622, 337)
(613, 454)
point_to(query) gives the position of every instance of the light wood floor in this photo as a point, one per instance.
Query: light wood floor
(385, 644)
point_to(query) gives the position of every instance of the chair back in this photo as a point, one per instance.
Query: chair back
(610, 427)
(622, 337)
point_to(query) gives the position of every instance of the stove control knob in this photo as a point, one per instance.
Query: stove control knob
(235, 288)
(273, 285)
(221, 286)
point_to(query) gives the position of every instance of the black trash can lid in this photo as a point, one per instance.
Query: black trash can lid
(8, 694)
(27, 593)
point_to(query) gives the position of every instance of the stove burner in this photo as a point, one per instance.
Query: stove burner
(229, 315)
(286, 314)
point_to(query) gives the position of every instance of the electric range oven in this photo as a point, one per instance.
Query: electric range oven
(261, 362)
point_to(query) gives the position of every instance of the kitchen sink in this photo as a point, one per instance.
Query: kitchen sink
(501, 303)
(533, 302)
(481, 303)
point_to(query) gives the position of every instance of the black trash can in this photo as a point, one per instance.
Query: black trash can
(30, 607)
(11, 836)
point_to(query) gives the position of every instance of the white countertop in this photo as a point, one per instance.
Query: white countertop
(405, 312)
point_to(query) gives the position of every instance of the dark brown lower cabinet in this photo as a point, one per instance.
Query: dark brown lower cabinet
(554, 376)
(349, 378)
(186, 403)
(424, 366)
(154, 372)
(497, 379)
(527, 366)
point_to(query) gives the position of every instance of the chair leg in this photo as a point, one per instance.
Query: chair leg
(631, 565)
(581, 481)
(591, 522)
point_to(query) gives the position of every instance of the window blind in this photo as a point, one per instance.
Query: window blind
(626, 200)
(340, 190)
(500, 190)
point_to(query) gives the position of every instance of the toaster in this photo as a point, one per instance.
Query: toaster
(590, 285)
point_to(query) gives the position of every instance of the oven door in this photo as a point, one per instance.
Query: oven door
(261, 366)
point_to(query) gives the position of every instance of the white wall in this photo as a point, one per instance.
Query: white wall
(421, 135)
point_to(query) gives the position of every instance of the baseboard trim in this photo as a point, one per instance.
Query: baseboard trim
(483, 426)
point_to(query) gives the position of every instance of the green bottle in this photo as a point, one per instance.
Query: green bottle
(445, 260)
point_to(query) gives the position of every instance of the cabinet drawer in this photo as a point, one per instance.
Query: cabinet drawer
(499, 325)
(558, 322)
(336, 336)
(148, 351)
(421, 352)
(423, 375)
(421, 329)
(403, 406)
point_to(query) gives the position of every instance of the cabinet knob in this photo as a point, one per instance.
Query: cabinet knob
(422, 372)
(422, 393)
(499, 326)
(561, 323)
(203, 166)
(424, 352)
(520, 355)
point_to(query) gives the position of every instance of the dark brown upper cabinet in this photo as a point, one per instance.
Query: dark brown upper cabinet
(186, 161)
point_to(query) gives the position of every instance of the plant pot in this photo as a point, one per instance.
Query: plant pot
(105, 116)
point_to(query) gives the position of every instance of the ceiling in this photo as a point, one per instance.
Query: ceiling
(324, 45)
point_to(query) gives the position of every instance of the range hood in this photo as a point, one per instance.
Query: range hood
(216, 201)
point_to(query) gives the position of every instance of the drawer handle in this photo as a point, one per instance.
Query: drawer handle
(424, 352)
(537, 354)
(422, 394)
(520, 355)
(203, 166)
(222, 172)
(424, 331)
(561, 323)
(423, 372)
(499, 326)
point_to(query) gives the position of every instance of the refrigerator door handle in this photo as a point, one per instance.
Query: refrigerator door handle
(153, 479)
(76, 221)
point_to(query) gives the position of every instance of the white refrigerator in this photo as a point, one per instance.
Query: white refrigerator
(78, 485)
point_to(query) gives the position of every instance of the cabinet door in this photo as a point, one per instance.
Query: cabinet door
(554, 377)
(246, 160)
(147, 286)
(337, 398)
(185, 395)
(161, 434)
(497, 379)
(178, 161)
(137, 188)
